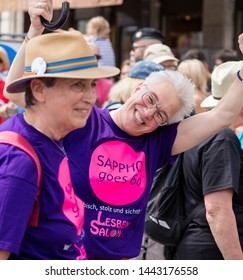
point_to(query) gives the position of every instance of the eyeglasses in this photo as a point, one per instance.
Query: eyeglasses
(170, 67)
(137, 47)
(159, 117)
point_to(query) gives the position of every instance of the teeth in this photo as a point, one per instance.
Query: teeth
(138, 117)
(82, 110)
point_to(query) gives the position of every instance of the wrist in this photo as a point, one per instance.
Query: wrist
(33, 32)
(26, 38)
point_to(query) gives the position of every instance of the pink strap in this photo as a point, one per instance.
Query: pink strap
(15, 139)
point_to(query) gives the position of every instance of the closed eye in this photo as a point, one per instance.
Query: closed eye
(151, 100)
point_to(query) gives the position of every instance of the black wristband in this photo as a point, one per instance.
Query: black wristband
(239, 77)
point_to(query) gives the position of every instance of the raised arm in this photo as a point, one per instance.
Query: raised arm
(193, 130)
(222, 222)
(36, 28)
(4, 255)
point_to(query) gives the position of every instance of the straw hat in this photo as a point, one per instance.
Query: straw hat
(221, 79)
(4, 58)
(159, 53)
(63, 54)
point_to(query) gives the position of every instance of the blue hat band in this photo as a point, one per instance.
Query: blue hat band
(63, 66)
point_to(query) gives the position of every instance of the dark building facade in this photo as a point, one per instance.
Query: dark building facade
(206, 24)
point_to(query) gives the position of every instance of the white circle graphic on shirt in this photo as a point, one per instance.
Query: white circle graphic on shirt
(117, 173)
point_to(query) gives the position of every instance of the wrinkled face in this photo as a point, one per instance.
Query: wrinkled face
(170, 64)
(138, 117)
(68, 103)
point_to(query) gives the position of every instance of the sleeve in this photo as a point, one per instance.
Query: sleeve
(167, 138)
(18, 189)
(221, 165)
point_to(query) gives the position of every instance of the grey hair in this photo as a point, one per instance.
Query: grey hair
(184, 87)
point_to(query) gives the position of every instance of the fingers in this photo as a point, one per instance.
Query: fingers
(45, 7)
(36, 10)
(40, 4)
(39, 8)
(50, 9)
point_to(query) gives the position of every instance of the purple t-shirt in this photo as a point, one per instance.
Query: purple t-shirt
(112, 172)
(59, 234)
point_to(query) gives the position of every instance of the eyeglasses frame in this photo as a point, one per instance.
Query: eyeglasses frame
(148, 93)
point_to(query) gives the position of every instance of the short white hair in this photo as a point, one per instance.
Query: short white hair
(184, 87)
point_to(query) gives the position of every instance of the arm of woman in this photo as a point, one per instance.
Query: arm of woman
(197, 128)
(194, 130)
(222, 222)
(4, 255)
(36, 28)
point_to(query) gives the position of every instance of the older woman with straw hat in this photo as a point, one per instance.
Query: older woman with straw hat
(59, 95)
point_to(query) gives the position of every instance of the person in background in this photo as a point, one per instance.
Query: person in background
(116, 155)
(57, 102)
(125, 68)
(98, 28)
(239, 133)
(214, 174)
(4, 66)
(225, 55)
(123, 89)
(7, 109)
(200, 55)
(143, 38)
(195, 70)
(103, 85)
(161, 54)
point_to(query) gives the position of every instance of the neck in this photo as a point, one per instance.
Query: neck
(116, 116)
(40, 124)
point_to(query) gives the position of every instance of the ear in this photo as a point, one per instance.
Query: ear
(37, 87)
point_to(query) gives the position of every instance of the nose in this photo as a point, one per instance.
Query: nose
(149, 112)
(89, 95)
(131, 52)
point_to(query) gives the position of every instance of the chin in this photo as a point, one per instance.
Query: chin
(133, 132)
(80, 124)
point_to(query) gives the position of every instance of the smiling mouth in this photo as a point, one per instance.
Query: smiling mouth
(138, 117)
(82, 111)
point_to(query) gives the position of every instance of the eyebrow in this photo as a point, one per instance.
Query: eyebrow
(84, 80)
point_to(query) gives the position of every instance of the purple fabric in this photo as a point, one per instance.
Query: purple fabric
(59, 233)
